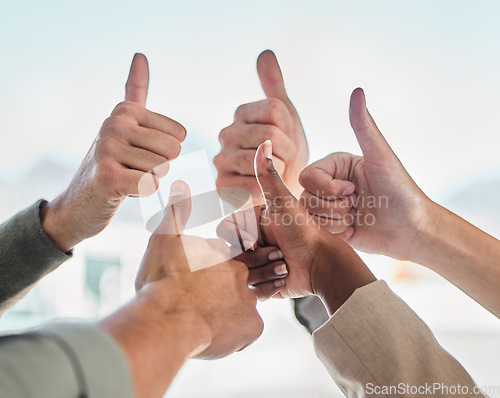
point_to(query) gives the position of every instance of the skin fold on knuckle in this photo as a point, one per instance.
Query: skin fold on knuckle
(107, 146)
(242, 111)
(275, 109)
(306, 177)
(106, 173)
(125, 108)
(114, 125)
(226, 135)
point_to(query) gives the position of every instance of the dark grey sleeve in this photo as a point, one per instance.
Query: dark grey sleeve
(67, 360)
(26, 254)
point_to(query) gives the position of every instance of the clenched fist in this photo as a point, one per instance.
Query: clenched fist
(274, 118)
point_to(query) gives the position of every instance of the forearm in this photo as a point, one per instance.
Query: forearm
(463, 254)
(156, 337)
(375, 345)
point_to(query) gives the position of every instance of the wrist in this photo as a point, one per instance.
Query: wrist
(169, 303)
(157, 334)
(57, 226)
(337, 273)
(426, 231)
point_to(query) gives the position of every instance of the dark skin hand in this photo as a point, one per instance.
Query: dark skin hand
(318, 262)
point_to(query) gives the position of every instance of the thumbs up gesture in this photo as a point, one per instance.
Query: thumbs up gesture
(317, 262)
(274, 118)
(370, 200)
(128, 157)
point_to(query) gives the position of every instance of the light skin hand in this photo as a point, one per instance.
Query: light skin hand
(391, 211)
(273, 118)
(180, 314)
(132, 142)
(394, 217)
(318, 262)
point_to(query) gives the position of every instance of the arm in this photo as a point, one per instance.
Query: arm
(63, 360)
(374, 341)
(156, 336)
(392, 216)
(463, 254)
(132, 142)
(372, 338)
(137, 351)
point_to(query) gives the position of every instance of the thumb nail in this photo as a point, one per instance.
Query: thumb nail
(348, 191)
(178, 188)
(268, 149)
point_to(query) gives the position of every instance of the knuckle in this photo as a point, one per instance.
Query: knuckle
(271, 133)
(225, 135)
(113, 124)
(124, 108)
(242, 163)
(180, 131)
(306, 176)
(220, 161)
(262, 274)
(274, 108)
(106, 145)
(240, 111)
(217, 161)
(106, 173)
(174, 150)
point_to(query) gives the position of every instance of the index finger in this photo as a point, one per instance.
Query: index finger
(323, 179)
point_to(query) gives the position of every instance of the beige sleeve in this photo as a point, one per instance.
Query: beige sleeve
(376, 346)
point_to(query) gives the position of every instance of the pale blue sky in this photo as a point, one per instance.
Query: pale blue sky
(429, 69)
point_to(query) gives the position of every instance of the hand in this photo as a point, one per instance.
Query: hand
(318, 262)
(179, 314)
(127, 158)
(218, 295)
(274, 118)
(387, 210)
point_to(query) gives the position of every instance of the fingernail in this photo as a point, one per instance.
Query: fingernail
(348, 191)
(279, 282)
(268, 149)
(177, 189)
(280, 269)
(248, 245)
(264, 299)
(276, 255)
(175, 192)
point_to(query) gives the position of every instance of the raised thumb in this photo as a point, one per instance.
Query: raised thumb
(178, 210)
(373, 144)
(271, 78)
(136, 88)
(278, 197)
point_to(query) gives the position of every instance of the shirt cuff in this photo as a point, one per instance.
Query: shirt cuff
(26, 253)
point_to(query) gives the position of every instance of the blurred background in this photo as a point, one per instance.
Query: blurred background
(430, 73)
